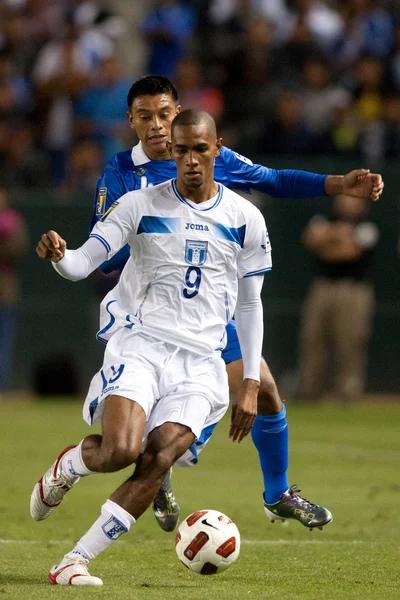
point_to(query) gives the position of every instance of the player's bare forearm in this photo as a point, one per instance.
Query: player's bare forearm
(359, 183)
(244, 410)
(51, 247)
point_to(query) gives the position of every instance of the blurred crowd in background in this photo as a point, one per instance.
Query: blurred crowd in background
(279, 76)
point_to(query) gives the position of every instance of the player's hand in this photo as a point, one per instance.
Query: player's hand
(244, 411)
(363, 184)
(51, 246)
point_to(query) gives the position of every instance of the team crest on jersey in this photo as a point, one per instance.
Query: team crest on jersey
(196, 252)
(101, 201)
(140, 171)
(104, 217)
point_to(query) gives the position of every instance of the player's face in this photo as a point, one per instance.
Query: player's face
(193, 149)
(151, 118)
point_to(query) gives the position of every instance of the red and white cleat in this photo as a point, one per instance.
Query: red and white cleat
(72, 572)
(51, 489)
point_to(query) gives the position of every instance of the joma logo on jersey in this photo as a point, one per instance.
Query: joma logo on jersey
(196, 252)
(197, 227)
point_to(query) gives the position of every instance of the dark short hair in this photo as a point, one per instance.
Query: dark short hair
(194, 116)
(151, 85)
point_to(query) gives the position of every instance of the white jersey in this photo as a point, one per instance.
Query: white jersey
(180, 284)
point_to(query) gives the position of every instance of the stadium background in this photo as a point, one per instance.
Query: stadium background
(257, 66)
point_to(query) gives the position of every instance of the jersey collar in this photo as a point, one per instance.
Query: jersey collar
(184, 201)
(139, 156)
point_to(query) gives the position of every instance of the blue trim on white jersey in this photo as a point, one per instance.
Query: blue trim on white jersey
(232, 234)
(107, 327)
(158, 225)
(251, 273)
(200, 442)
(182, 199)
(106, 245)
(92, 408)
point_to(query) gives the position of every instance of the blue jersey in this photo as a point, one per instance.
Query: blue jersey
(132, 170)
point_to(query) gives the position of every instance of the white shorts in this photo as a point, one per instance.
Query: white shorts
(168, 382)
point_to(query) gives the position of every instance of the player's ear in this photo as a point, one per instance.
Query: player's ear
(218, 145)
(169, 148)
(129, 116)
(178, 109)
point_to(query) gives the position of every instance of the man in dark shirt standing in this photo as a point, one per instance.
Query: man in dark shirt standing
(337, 314)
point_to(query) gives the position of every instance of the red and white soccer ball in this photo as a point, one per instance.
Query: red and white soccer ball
(207, 542)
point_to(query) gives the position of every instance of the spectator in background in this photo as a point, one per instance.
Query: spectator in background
(314, 24)
(320, 98)
(369, 30)
(337, 314)
(15, 94)
(194, 92)
(100, 110)
(369, 97)
(62, 71)
(286, 132)
(13, 244)
(395, 61)
(168, 29)
(22, 163)
(84, 163)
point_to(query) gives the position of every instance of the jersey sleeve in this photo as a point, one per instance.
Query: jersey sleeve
(255, 257)
(117, 225)
(110, 187)
(243, 174)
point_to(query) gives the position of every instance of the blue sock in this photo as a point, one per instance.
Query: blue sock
(270, 437)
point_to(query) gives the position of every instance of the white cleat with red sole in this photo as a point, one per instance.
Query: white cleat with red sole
(72, 572)
(51, 489)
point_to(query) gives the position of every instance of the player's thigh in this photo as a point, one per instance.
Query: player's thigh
(122, 422)
(198, 402)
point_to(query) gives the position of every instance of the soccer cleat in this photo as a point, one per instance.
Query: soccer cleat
(72, 572)
(293, 506)
(165, 507)
(51, 489)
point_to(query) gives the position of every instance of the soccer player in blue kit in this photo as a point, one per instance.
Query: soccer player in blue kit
(152, 105)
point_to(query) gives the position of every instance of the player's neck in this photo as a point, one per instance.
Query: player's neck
(198, 195)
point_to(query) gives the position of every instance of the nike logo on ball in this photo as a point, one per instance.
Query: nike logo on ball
(209, 524)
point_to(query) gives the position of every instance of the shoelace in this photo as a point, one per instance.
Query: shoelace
(61, 482)
(294, 491)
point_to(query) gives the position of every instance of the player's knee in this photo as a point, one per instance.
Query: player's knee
(158, 460)
(269, 402)
(119, 456)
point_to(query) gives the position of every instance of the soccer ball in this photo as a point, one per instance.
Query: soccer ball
(207, 542)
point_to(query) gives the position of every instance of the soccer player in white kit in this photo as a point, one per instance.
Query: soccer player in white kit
(199, 252)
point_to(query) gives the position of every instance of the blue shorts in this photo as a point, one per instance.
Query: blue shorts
(232, 349)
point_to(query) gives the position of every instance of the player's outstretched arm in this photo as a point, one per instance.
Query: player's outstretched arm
(51, 246)
(71, 264)
(360, 183)
(249, 323)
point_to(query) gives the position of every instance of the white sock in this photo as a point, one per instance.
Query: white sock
(113, 522)
(72, 463)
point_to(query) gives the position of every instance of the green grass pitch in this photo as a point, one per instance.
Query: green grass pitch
(347, 459)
